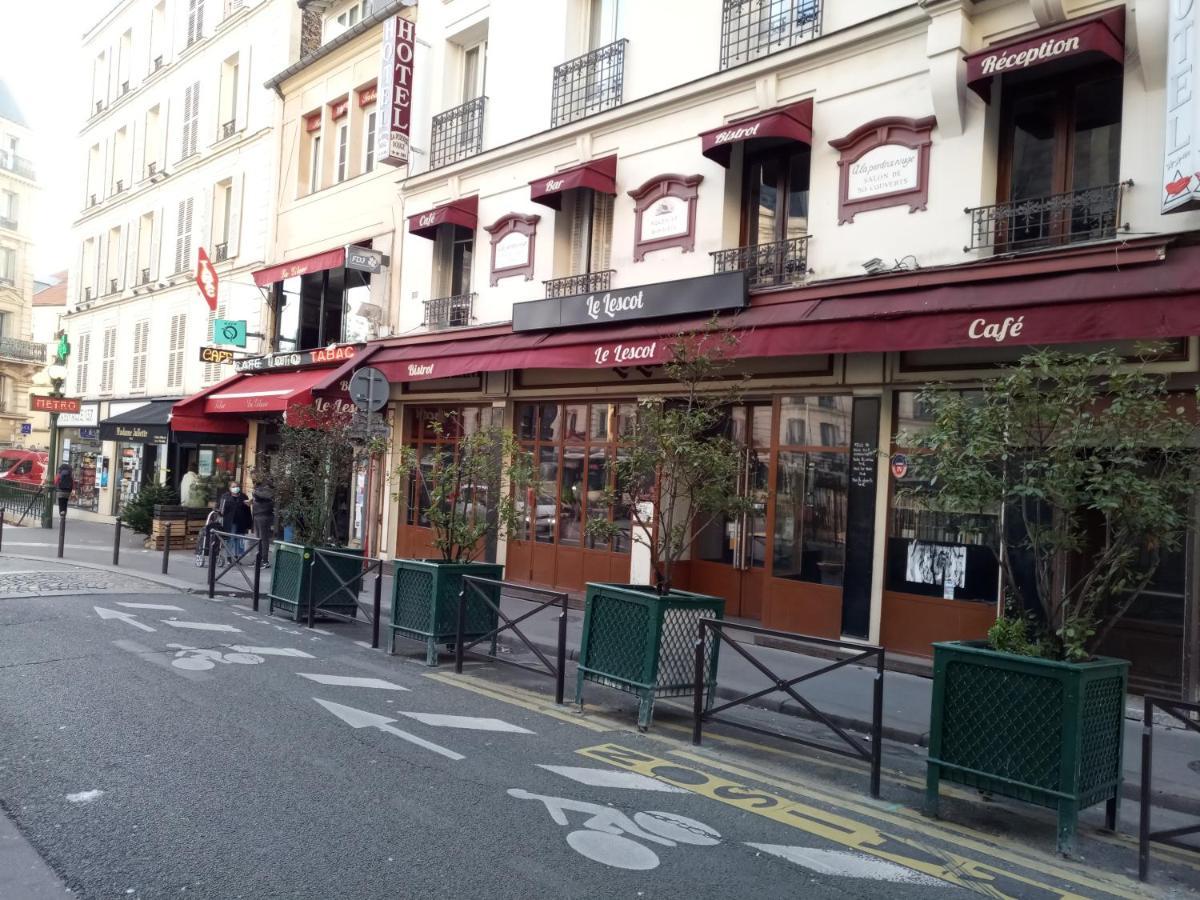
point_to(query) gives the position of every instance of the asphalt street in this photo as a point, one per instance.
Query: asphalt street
(159, 745)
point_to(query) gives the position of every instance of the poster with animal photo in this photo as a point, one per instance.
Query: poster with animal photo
(943, 564)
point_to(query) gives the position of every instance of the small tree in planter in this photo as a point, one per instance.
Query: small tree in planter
(678, 473)
(318, 447)
(1094, 463)
(468, 509)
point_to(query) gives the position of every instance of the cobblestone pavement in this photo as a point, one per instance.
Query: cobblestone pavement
(26, 578)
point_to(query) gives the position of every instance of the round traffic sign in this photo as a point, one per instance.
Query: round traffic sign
(369, 389)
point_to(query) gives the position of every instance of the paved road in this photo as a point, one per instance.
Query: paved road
(164, 745)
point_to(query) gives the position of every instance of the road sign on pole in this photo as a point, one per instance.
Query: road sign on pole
(229, 331)
(369, 389)
(206, 280)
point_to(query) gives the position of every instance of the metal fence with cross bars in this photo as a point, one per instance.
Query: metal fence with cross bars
(227, 553)
(334, 583)
(1189, 715)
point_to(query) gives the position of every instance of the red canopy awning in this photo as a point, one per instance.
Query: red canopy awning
(793, 123)
(1080, 40)
(463, 212)
(330, 259)
(600, 175)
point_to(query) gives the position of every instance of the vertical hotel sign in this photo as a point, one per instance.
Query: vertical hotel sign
(395, 91)
(1181, 163)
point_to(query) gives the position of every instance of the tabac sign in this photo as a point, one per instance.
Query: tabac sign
(395, 91)
(1181, 162)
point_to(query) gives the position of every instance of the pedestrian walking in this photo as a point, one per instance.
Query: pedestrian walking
(263, 509)
(64, 483)
(235, 517)
(187, 484)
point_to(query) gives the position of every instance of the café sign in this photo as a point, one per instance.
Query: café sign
(687, 296)
(297, 360)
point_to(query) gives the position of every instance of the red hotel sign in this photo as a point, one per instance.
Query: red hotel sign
(42, 403)
(395, 91)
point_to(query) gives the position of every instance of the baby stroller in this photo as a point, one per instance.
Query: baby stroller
(204, 541)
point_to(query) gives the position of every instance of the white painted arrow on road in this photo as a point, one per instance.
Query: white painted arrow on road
(127, 618)
(473, 723)
(199, 626)
(352, 681)
(271, 651)
(360, 718)
(848, 864)
(163, 606)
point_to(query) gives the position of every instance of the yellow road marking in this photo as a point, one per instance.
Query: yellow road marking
(980, 877)
(511, 696)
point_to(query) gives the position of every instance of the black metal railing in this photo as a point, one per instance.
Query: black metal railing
(21, 501)
(151, 169)
(124, 88)
(751, 29)
(1189, 715)
(588, 84)
(144, 277)
(447, 312)
(113, 285)
(225, 552)
(346, 588)
(227, 128)
(770, 265)
(485, 595)
(28, 351)
(586, 283)
(6, 222)
(18, 165)
(457, 133)
(119, 186)
(221, 252)
(1093, 214)
(848, 745)
(158, 62)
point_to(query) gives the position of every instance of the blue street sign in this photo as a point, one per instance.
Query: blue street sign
(26, 428)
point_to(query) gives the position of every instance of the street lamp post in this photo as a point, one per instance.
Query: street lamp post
(58, 377)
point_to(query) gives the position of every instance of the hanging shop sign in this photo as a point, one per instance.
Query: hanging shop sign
(884, 163)
(135, 434)
(206, 279)
(216, 356)
(229, 331)
(687, 296)
(321, 357)
(395, 91)
(1181, 162)
(42, 403)
(364, 260)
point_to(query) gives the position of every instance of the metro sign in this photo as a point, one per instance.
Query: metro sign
(206, 280)
(42, 403)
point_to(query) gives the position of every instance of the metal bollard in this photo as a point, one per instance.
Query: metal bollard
(62, 534)
(377, 605)
(213, 543)
(117, 543)
(1, 528)
(312, 576)
(561, 661)
(166, 558)
(257, 573)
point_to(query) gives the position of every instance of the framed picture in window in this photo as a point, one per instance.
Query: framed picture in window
(513, 239)
(665, 214)
(884, 163)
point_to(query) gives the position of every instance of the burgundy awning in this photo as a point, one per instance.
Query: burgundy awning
(600, 175)
(793, 123)
(330, 259)
(463, 212)
(1080, 40)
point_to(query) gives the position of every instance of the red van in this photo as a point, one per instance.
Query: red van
(24, 466)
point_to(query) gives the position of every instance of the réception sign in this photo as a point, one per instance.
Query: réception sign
(395, 91)
(1181, 161)
(707, 293)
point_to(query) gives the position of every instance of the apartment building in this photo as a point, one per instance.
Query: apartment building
(176, 153)
(20, 358)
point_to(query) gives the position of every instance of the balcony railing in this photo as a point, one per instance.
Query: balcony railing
(751, 29)
(144, 277)
(227, 128)
(232, 6)
(7, 223)
(221, 252)
(124, 88)
(587, 283)
(448, 312)
(767, 265)
(92, 200)
(18, 165)
(114, 285)
(457, 133)
(87, 293)
(151, 169)
(99, 107)
(158, 63)
(1093, 214)
(26, 351)
(119, 186)
(588, 84)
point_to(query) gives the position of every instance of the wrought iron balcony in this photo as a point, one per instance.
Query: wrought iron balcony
(114, 285)
(227, 128)
(124, 88)
(767, 265)
(144, 277)
(457, 133)
(751, 29)
(449, 312)
(1093, 214)
(119, 186)
(18, 165)
(6, 222)
(87, 293)
(588, 84)
(158, 62)
(587, 283)
(26, 351)
(151, 169)
(221, 252)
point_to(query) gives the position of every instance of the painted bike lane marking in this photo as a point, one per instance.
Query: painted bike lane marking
(351, 681)
(360, 718)
(976, 876)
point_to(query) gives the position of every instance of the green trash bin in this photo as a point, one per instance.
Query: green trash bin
(425, 603)
(638, 641)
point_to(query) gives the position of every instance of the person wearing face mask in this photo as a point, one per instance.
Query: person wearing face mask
(235, 517)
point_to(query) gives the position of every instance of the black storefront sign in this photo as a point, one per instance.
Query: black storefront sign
(860, 517)
(135, 434)
(687, 296)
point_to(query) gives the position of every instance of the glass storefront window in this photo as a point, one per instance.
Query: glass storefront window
(321, 308)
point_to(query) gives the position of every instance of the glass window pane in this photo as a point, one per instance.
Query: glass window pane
(550, 423)
(1033, 142)
(1097, 140)
(545, 515)
(626, 419)
(758, 479)
(570, 518)
(600, 414)
(621, 517)
(797, 207)
(575, 421)
(597, 501)
(288, 330)
(810, 516)
(526, 421)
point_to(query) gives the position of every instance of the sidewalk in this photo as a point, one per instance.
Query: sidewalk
(844, 696)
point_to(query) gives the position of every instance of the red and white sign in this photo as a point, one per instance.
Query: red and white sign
(339, 108)
(368, 95)
(395, 91)
(42, 403)
(206, 280)
(312, 122)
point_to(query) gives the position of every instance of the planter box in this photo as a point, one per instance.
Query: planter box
(645, 644)
(296, 565)
(425, 603)
(1036, 730)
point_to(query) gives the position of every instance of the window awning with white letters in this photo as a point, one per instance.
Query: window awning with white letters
(463, 212)
(792, 123)
(600, 175)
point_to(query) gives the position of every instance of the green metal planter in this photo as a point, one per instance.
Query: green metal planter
(1037, 730)
(295, 565)
(640, 642)
(425, 603)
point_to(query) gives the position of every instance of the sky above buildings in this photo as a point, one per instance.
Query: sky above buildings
(39, 50)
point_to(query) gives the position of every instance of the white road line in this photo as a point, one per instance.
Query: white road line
(366, 644)
(848, 864)
(199, 626)
(163, 606)
(473, 723)
(271, 651)
(84, 796)
(127, 618)
(360, 718)
(352, 681)
(612, 778)
(322, 631)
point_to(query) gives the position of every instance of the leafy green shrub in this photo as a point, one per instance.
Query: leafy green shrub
(139, 512)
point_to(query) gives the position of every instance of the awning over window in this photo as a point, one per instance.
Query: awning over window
(793, 123)
(600, 175)
(463, 212)
(1080, 41)
(330, 259)
(147, 424)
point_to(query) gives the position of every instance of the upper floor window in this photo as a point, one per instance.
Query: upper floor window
(314, 165)
(775, 197)
(343, 151)
(191, 120)
(370, 122)
(99, 82)
(604, 22)
(195, 21)
(319, 309)
(10, 208)
(474, 71)
(8, 265)
(228, 113)
(158, 31)
(751, 29)
(345, 18)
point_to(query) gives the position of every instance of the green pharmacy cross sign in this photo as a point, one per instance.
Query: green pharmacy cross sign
(229, 331)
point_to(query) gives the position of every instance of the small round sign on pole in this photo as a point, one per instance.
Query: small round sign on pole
(899, 465)
(369, 389)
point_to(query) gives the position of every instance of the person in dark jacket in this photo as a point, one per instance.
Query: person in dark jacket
(64, 483)
(235, 517)
(262, 507)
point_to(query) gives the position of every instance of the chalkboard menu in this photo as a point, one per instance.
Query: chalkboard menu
(860, 517)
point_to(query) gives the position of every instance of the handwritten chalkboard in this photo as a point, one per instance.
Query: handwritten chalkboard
(860, 517)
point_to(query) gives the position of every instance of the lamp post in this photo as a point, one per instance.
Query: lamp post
(57, 373)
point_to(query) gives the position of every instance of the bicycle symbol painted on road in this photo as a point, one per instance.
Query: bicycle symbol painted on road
(198, 660)
(612, 838)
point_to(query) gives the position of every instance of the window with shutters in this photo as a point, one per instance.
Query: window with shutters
(191, 121)
(591, 232)
(175, 351)
(212, 371)
(83, 350)
(183, 237)
(195, 21)
(343, 151)
(314, 166)
(113, 282)
(141, 345)
(227, 114)
(109, 361)
(88, 265)
(369, 140)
